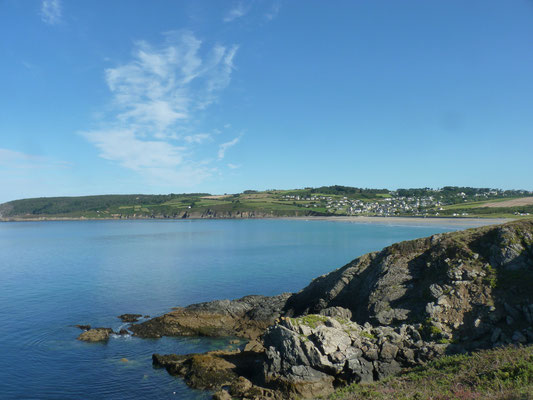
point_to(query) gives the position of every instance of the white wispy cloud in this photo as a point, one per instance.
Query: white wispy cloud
(198, 138)
(274, 11)
(51, 11)
(156, 97)
(239, 10)
(123, 146)
(233, 166)
(225, 146)
(19, 160)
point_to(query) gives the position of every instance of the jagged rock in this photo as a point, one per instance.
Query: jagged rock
(222, 395)
(518, 337)
(527, 314)
(339, 312)
(286, 343)
(96, 335)
(388, 351)
(361, 370)
(304, 381)
(329, 340)
(371, 353)
(435, 290)
(495, 335)
(333, 323)
(83, 327)
(513, 312)
(240, 386)
(385, 369)
(254, 345)
(407, 356)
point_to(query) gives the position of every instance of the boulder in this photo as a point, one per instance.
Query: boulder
(329, 339)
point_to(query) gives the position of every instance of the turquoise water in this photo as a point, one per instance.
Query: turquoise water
(57, 274)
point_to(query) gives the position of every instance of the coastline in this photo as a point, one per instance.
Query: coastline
(458, 221)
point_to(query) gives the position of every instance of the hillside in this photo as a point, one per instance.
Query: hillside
(322, 201)
(380, 314)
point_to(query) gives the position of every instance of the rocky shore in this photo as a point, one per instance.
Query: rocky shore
(385, 311)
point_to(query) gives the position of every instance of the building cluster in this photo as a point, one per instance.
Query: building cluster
(393, 204)
(386, 207)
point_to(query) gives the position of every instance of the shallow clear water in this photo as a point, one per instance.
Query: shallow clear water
(57, 274)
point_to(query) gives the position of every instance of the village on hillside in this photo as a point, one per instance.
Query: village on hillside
(396, 204)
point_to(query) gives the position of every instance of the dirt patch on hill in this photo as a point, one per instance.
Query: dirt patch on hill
(524, 201)
(217, 196)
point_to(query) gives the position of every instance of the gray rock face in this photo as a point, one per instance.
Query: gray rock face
(329, 340)
(337, 312)
(342, 349)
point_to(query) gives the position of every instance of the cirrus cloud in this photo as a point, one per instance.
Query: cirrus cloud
(155, 97)
(51, 11)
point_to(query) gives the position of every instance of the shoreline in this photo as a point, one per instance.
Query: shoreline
(457, 221)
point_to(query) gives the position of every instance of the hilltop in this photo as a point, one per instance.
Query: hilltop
(323, 201)
(382, 313)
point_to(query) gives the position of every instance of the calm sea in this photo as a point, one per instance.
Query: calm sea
(57, 274)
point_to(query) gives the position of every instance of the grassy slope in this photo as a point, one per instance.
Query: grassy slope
(146, 206)
(505, 373)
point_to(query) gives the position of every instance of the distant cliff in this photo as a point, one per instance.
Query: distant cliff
(400, 307)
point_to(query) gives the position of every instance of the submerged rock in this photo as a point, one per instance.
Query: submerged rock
(130, 317)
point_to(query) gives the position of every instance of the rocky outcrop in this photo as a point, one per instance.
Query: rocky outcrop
(247, 317)
(96, 335)
(452, 279)
(400, 307)
(331, 352)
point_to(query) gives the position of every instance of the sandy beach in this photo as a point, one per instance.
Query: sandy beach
(456, 222)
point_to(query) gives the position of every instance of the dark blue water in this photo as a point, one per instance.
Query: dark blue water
(57, 274)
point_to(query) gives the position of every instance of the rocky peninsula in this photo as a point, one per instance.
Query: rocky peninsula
(400, 307)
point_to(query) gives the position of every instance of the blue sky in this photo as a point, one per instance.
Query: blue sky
(131, 96)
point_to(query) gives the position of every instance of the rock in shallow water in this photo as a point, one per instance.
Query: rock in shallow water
(83, 327)
(96, 335)
(129, 317)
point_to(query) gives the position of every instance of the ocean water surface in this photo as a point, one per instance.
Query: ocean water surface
(57, 274)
